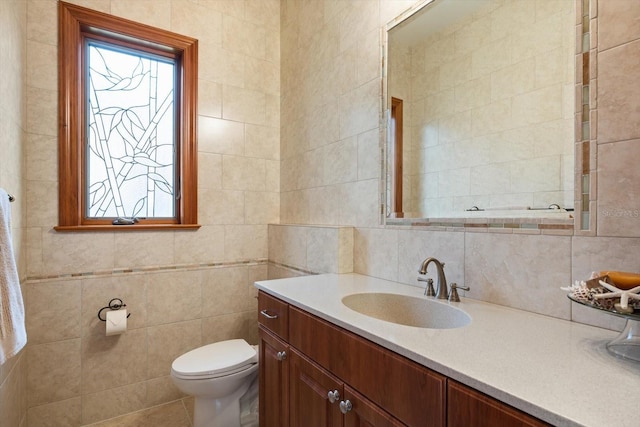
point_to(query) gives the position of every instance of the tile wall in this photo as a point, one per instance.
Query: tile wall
(336, 100)
(13, 24)
(183, 288)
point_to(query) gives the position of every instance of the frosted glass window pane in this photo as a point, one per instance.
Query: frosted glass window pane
(131, 155)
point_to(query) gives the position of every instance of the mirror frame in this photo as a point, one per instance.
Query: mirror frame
(584, 218)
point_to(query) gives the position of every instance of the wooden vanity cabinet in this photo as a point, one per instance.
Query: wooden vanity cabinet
(301, 365)
(273, 318)
(303, 358)
(469, 407)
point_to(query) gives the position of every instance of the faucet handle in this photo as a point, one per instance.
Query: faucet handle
(428, 290)
(453, 294)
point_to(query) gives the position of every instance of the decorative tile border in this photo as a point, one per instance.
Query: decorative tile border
(532, 225)
(149, 269)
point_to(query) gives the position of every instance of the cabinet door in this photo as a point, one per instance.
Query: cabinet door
(364, 413)
(274, 381)
(468, 407)
(309, 404)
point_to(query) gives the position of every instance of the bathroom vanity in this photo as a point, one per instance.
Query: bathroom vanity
(325, 364)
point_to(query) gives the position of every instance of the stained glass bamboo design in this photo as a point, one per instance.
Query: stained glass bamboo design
(131, 143)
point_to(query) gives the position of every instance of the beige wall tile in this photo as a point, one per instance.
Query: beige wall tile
(244, 105)
(42, 160)
(262, 142)
(261, 207)
(226, 290)
(42, 110)
(220, 136)
(113, 402)
(618, 94)
(65, 253)
(220, 207)
(53, 311)
(42, 210)
(13, 388)
(263, 12)
(40, 29)
(245, 242)
(204, 246)
(209, 98)
(244, 37)
(196, 20)
(63, 412)
(174, 297)
(359, 109)
(113, 361)
(161, 390)
(287, 245)
(53, 371)
(322, 249)
(341, 161)
(521, 271)
(39, 73)
(618, 207)
(376, 253)
(210, 171)
(231, 326)
(369, 154)
(616, 23)
(150, 12)
(324, 204)
(138, 249)
(169, 341)
(243, 173)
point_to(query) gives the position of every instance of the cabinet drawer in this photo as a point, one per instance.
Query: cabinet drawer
(411, 393)
(468, 407)
(273, 314)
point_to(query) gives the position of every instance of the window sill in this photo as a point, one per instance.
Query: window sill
(134, 227)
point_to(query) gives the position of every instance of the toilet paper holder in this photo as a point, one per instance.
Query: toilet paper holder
(114, 304)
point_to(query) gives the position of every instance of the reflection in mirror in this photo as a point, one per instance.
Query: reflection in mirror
(487, 97)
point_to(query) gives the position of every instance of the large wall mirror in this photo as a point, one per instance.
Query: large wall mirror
(480, 101)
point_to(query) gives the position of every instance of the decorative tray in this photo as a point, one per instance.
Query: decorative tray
(635, 315)
(602, 296)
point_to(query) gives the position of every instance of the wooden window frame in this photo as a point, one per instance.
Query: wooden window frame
(397, 148)
(75, 21)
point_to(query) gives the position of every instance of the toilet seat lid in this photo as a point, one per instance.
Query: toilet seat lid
(216, 359)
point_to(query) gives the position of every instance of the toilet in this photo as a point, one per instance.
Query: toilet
(217, 375)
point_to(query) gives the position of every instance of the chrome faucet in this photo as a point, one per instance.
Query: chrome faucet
(441, 290)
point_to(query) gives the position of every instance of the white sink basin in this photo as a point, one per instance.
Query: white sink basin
(407, 310)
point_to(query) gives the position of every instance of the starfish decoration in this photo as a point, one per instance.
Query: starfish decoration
(624, 295)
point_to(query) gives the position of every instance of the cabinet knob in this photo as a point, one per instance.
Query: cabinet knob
(281, 355)
(345, 406)
(333, 396)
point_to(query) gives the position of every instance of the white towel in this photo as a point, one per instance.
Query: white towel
(13, 335)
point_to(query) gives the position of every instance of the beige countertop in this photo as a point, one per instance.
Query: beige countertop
(553, 369)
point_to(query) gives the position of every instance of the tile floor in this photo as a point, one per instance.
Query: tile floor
(173, 414)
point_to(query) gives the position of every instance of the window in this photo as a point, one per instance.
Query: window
(127, 136)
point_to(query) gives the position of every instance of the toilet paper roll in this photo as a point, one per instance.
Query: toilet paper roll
(116, 322)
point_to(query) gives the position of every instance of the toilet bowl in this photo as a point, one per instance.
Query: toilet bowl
(217, 375)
